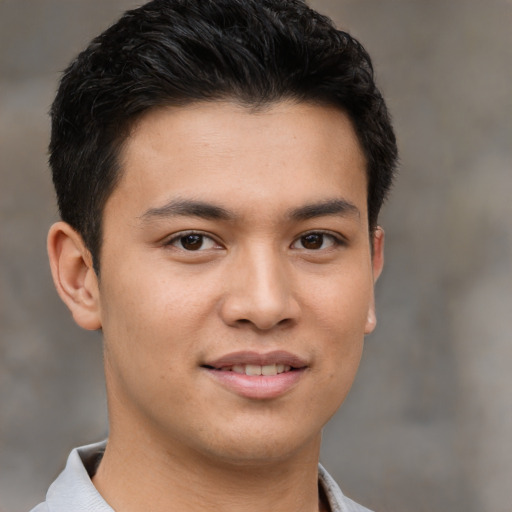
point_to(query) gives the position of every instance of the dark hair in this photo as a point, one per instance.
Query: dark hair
(175, 52)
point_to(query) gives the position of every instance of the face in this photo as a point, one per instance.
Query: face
(236, 278)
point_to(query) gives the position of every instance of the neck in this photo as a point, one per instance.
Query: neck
(140, 474)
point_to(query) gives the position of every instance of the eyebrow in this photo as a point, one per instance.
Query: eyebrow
(209, 211)
(329, 207)
(187, 208)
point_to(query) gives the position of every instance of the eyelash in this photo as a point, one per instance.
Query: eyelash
(336, 240)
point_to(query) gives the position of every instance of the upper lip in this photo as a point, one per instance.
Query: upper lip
(257, 358)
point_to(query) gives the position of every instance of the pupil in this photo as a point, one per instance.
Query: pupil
(313, 241)
(192, 242)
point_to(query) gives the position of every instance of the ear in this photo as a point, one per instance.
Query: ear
(377, 265)
(74, 276)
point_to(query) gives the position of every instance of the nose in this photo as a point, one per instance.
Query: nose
(259, 292)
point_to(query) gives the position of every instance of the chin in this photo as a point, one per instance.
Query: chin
(251, 447)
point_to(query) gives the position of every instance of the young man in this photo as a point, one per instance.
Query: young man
(219, 167)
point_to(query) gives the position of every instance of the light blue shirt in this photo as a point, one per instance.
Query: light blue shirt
(73, 491)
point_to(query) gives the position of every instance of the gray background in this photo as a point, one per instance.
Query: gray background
(428, 425)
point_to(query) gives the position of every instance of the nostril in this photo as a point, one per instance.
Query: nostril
(261, 308)
(260, 325)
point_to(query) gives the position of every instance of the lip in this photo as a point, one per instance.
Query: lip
(250, 357)
(259, 387)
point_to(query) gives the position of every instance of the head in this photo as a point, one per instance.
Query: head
(178, 52)
(220, 166)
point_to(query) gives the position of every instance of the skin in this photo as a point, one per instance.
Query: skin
(287, 266)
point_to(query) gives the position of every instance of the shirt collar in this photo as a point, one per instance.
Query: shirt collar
(74, 491)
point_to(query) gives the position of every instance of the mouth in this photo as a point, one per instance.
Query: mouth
(255, 363)
(257, 376)
(255, 369)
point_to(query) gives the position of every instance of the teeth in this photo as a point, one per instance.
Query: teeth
(269, 369)
(256, 369)
(252, 369)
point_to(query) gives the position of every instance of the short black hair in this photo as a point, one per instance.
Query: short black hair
(176, 52)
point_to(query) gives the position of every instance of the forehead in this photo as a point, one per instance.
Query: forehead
(214, 151)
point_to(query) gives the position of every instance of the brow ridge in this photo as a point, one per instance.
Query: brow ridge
(187, 208)
(209, 211)
(336, 206)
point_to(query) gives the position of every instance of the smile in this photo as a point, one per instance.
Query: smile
(256, 369)
(257, 376)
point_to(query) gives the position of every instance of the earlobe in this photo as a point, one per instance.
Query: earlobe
(371, 319)
(74, 276)
(377, 265)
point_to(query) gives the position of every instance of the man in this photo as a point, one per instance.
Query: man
(219, 167)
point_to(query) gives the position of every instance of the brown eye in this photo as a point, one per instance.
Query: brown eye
(312, 241)
(317, 240)
(192, 242)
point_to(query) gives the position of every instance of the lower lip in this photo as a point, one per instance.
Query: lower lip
(257, 386)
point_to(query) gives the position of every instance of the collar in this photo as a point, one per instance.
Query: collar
(73, 490)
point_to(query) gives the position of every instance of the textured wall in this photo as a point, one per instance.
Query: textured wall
(428, 425)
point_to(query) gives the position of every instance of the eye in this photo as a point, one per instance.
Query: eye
(317, 240)
(193, 242)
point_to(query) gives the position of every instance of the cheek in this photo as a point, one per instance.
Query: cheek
(340, 308)
(137, 321)
(341, 302)
(145, 300)
(152, 320)
(148, 347)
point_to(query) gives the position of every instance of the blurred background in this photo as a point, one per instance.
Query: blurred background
(428, 424)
